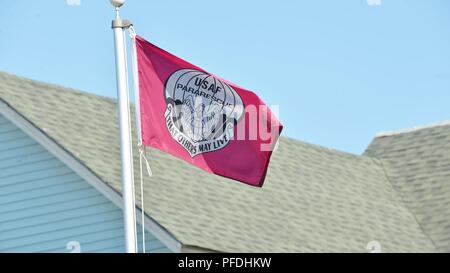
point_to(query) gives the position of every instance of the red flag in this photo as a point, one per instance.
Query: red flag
(203, 119)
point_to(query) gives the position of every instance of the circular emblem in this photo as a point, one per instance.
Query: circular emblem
(201, 110)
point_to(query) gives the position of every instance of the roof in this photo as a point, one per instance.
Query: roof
(417, 163)
(411, 130)
(314, 199)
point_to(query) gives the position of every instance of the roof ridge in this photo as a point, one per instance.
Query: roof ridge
(411, 130)
(319, 146)
(59, 87)
(402, 199)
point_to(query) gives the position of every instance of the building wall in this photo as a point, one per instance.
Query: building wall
(46, 207)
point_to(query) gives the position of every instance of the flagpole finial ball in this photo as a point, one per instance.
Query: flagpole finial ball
(117, 3)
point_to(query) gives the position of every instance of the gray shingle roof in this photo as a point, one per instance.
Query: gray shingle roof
(314, 198)
(418, 165)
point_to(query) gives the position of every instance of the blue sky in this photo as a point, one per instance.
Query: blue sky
(340, 71)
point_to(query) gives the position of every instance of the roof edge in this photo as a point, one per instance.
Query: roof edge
(59, 87)
(410, 130)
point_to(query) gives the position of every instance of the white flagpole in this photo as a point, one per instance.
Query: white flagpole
(126, 154)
